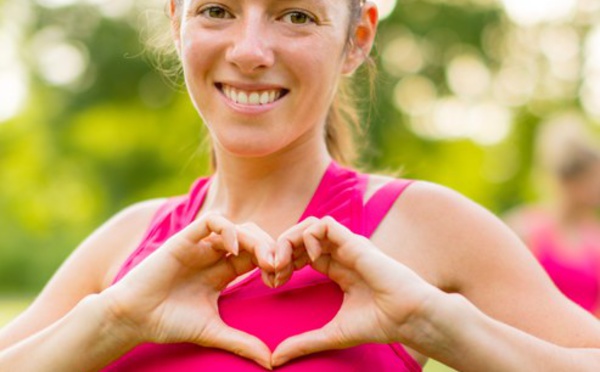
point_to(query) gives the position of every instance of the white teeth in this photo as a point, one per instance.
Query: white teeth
(264, 98)
(242, 98)
(253, 98)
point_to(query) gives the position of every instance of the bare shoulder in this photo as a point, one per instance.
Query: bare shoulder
(459, 236)
(451, 214)
(459, 246)
(426, 205)
(89, 269)
(116, 239)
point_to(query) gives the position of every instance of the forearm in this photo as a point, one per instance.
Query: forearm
(455, 332)
(86, 339)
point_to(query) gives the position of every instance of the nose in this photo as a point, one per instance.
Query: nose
(251, 48)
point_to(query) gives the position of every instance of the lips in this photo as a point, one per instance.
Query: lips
(251, 97)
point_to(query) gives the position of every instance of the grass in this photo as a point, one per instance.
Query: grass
(10, 307)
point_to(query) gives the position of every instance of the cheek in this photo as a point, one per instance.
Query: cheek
(199, 50)
(198, 57)
(317, 69)
(194, 58)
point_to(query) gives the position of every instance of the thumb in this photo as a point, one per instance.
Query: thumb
(305, 344)
(239, 343)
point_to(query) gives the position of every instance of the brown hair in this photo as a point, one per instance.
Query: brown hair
(343, 120)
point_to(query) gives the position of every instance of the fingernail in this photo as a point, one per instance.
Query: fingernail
(266, 365)
(236, 247)
(277, 280)
(272, 280)
(311, 255)
(312, 248)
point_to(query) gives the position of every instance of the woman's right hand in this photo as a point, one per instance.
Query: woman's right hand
(172, 295)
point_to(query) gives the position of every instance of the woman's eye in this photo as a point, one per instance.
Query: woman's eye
(298, 18)
(215, 12)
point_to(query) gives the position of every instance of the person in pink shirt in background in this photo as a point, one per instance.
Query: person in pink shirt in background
(285, 257)
(564, 233)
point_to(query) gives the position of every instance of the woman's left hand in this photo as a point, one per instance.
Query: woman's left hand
(381, 294)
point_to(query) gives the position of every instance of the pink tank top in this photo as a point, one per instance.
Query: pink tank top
(579, 280)
(308, 301)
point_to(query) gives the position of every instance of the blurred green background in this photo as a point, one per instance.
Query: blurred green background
(89, 126)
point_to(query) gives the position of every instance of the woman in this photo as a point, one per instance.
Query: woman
(351, 269)
(564, 233)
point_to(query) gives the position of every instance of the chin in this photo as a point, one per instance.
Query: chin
(250, 148)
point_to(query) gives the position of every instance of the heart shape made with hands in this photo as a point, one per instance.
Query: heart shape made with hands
(173, 294)
(281, 317)
(333, 250)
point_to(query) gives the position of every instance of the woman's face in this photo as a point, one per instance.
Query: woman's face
(263, 73)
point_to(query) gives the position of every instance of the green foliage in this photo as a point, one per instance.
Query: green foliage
(117, 134)
(77, 154)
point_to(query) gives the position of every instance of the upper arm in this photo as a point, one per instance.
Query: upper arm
(470, 251)
(516, 220)
(525, 223)
(89, 269)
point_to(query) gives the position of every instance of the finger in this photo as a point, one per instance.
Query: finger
(285, 274)
(322, 264)
(223, 272)
(257, 241)
(312, 238)
(193, 255)
(305, 344)
(299, 227)
(326, 232)
(337, 240)
(268, 279)
(286, 261)
(239, 343)
(283, 253)
(291, 240)
(354, 252)
(301, 261)
(241, 264)
(208, 224)
(217, 243)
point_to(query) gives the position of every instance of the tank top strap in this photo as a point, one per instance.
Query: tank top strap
(172, 216)
(380, 203)
(339, 195)
(178, 211)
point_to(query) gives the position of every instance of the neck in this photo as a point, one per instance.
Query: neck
(271, 191)
(571, 213)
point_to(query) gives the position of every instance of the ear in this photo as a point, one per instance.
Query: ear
(175, 15)
(361, 41)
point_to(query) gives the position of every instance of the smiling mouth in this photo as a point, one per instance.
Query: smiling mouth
(251, 97)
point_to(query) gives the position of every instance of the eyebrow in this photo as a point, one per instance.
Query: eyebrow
(316, 3)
